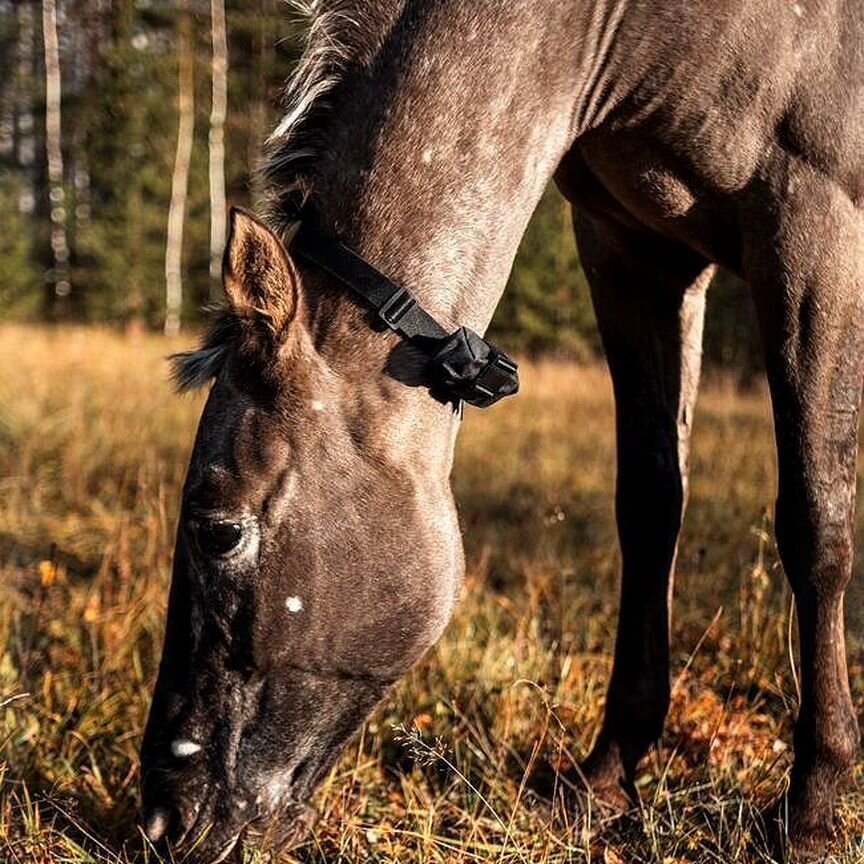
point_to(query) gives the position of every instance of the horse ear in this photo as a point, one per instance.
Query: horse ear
(260, 280)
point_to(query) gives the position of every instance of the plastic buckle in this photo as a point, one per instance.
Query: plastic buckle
(468, 368)
(497, 379)
(396, 307)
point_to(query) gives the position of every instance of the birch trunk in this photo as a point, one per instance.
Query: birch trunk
(54, 148)
(180, 178)
(219, 110)
(86, 41)
(7, 119)
(25, 132)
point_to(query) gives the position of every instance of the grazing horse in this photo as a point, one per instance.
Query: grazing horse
(318, 554)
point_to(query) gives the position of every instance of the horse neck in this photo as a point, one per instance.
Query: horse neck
(437, 151)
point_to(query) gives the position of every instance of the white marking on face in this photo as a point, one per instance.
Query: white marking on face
(273, 790)
(294, 605)
(156, 825)
(182, 749)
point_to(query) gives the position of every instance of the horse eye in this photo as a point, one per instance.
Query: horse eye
(218, 538)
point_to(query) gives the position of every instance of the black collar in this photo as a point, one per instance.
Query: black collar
(462, 365)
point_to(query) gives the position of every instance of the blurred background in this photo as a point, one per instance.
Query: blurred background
(128, 126)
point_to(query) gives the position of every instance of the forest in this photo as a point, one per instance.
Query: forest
(127, 127)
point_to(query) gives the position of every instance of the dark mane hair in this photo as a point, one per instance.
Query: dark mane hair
(338, 33)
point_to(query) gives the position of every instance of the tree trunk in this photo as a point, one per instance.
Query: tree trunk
(7, 119)
(54, 149)
(180, 178)
(218, 113)
(25, 123)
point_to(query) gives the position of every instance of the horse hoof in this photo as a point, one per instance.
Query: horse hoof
(611, 800)
(796, 841)
(808, 845)
(597, 805)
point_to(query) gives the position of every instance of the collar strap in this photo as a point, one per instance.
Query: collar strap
(463, 365)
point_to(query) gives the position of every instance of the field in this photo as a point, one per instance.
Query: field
(459, 764)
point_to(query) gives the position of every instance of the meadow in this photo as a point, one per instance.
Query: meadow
(462, 762)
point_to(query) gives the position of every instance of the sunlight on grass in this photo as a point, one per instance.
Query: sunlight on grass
(470, 757)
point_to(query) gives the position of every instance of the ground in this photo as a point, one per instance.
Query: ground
(460, 763)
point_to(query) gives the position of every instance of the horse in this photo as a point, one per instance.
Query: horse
(318, 553)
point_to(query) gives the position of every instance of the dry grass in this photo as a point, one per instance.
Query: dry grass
(459, 764)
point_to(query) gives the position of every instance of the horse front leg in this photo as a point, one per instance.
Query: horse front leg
(810, 299)
(649, 296)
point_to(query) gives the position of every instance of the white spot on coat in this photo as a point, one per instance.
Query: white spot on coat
(426, 156)
(318, 406)
(182, 749)
(294, 605)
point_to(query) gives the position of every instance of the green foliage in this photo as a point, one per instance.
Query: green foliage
(18, 272)
(732, 337)
(547, 307)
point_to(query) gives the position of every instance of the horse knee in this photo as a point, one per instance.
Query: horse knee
(815, 541)
(651, 477)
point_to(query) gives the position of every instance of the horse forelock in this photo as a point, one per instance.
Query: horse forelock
(192, 370)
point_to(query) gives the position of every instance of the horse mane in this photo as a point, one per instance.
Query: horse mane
(338, 33)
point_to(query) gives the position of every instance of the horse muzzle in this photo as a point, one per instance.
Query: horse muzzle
(207, 825)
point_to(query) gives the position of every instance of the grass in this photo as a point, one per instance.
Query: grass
(460, 763)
